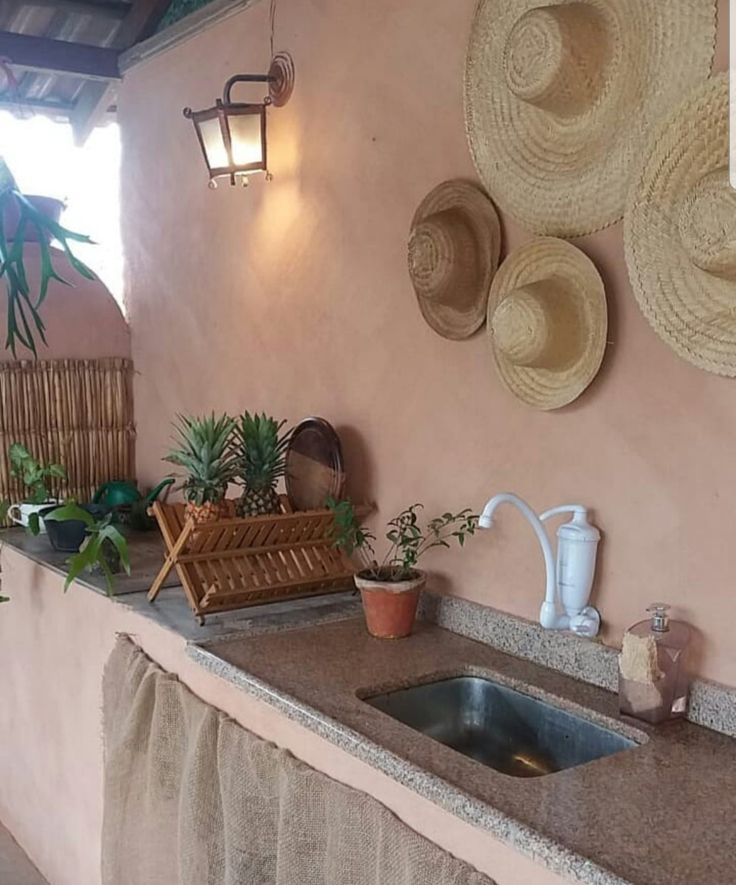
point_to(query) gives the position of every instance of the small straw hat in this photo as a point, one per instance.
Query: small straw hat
(454, 247)
(559, 98)
(547, 322)
(680, 232)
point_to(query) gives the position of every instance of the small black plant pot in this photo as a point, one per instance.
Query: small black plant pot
(67, 535)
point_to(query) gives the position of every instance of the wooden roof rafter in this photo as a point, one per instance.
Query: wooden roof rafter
(65, 54)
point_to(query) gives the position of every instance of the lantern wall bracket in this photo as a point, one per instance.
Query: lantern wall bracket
(280, 79)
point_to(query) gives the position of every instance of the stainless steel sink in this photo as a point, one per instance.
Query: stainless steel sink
(512, 732)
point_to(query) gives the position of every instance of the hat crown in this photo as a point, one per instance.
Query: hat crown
(443, 259)
(555, 56)
(537, 325)
(707, 224)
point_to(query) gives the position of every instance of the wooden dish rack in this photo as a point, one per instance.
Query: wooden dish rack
(233, 563)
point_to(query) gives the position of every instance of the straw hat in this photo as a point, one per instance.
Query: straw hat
(547, 322)
(454, 247)
(680, 232)
(559, 98)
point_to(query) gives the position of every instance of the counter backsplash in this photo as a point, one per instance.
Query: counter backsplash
(711, 704)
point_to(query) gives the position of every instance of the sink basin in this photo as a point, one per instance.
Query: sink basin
(505, 729)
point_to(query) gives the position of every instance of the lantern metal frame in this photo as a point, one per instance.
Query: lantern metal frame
(280, 79)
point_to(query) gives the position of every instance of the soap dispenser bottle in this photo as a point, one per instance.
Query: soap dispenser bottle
(653, 680)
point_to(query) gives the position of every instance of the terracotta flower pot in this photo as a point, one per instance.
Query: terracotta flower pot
(389, 606)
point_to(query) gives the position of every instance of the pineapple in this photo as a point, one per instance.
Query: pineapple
(261, 461)
(203, 450)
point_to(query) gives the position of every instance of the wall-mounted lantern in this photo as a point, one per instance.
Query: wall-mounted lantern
(232, 135)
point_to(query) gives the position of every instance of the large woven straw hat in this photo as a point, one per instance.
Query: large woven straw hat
(547, 322)
(560, 96)
(680, 232)
(454, 247)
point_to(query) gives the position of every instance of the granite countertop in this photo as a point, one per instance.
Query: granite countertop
(171, 609)
(661, 813)
(146, 550)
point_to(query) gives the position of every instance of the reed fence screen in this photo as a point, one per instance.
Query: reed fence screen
(78, 413)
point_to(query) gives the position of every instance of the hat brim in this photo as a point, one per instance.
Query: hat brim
(569, 176)
(690, 309)
(454, 321)
(541, 259)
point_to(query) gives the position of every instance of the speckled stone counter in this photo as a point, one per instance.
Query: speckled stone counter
(662, 813)
(146, 550)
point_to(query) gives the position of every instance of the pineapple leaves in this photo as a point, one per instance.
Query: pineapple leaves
(213, 451)
(259, 449)
(202, 449)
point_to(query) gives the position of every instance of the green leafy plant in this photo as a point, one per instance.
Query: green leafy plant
(24, 322)
(408, 540)
(202, 449)
(104, 548)
(259, 450)
(35, 476)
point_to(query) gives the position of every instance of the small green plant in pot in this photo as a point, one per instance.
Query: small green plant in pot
(36, 477)
(390, 587)
(105, 549)
(203, 450)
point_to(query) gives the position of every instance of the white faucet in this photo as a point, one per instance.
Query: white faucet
(570, 579)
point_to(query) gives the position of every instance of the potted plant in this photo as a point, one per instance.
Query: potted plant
(203, 450)
(259, 450)
(67, 535)
(105, 549)
(390, 587)
(36, 477)
(23, 220)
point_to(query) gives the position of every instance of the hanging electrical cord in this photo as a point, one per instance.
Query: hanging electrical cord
(272, 23)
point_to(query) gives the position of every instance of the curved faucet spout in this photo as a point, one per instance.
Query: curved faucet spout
(549, 608)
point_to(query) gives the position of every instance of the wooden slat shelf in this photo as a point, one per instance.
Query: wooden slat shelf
(234, 563)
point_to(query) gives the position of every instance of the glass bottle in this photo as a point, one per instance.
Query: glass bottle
(653, 679)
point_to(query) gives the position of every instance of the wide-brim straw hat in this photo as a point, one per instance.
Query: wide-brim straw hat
(454, 248)
(547, 322)
(560, 97)
(680, 232)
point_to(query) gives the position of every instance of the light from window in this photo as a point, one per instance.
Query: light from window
(43, 158)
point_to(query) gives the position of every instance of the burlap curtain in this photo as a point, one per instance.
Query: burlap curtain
(191, 798)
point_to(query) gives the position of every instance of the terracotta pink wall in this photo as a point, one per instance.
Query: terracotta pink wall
(83, 321)
(53, 647)
(293, 297)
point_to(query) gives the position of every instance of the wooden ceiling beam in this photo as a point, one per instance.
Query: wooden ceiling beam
(95, 98)
(56, 109)
(140, 23)
(59, 56)
(107, 9)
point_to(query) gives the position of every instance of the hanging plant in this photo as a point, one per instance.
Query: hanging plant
(24, 322)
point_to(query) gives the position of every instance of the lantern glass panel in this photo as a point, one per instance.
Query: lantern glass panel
(214, 143)
(246, 139)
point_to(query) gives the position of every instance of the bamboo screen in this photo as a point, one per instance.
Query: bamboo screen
(78, 413)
